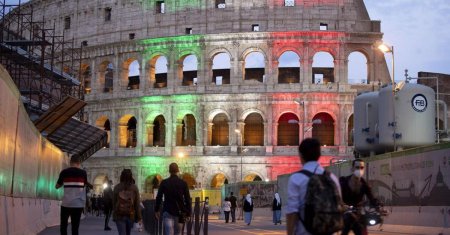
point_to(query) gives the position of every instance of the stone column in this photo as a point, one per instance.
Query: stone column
(275, 137)
(178, 135)
(307, 71)
(209, 137)
(116, 75)
(113, 144)
(234, 175)
(172, 68)
(122, 136)
(143, 77)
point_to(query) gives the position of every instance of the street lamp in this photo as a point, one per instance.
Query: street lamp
(390, 49)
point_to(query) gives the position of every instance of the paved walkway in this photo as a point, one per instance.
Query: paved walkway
(261, 225)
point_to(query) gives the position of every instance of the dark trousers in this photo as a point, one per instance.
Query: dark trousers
(227, 216)
(107, 216)
(352, 222)
(75, 215)
(233, 214)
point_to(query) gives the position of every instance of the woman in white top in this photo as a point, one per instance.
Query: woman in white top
(227, 209)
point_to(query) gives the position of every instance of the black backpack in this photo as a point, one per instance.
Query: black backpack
(324, 208)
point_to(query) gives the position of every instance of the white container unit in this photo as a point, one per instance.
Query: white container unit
(365, 124)
(415, 113)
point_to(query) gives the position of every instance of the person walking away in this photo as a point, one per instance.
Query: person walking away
(354, 188)
(177, 206)
(233, 201)
(74, 181)
(276, 209)
(126, 209)
(311, 190)
(108, 201)
(248, 209)
(227, 209)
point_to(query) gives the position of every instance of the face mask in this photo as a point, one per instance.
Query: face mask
(358, 173)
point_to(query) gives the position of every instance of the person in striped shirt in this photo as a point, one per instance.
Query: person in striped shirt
(74, 181)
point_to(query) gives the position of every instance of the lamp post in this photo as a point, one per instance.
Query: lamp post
(390, 49)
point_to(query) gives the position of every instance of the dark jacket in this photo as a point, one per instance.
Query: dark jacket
(356, 198)
(108, 198)
(233, 201)
(247, 206)
(275, 205)
(136, 215)
(176, 196)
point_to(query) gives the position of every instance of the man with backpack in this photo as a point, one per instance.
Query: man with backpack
(314, 204)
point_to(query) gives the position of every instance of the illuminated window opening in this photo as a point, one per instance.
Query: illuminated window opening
(160, 7)
(133, 75)
(254, 130)
(158, 71)
(159, 132)
(220, 130)
(187, 134)
(220, 4)
(324, 130)
(188, 30)
(289, 3)
(289, 68)
(288, 130)
(255, 27)
(323, 27)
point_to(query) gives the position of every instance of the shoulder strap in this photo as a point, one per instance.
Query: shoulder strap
(307, 173)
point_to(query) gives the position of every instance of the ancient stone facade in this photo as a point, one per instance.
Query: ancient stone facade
(246, 127)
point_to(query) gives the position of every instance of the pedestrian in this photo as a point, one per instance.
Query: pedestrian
(354, 188)
(108, 203)
(74, 180)
(233, 201)
(227, 209)
(177, 206)
(248, 209)
(276, 209)
(126, 209)
(300, 209)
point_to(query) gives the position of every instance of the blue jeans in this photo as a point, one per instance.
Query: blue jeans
(247, 217)
(277, 216)
(171, 225)
(124, 225)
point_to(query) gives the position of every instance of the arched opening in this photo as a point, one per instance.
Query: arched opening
(289, 68)
(189, 179)
(252, 178)
(159, 131)
(350, 131)
(322, 68)
(288, 130)
(190, 70)
(254, 130)
(98, 183)
(158, 71)
(323, 130)
(133, 75)
(221, 69)
(357, 68)
(220, 130)
(87, 78)
(218, 181)
(127, 132)
(187, 133)
(254, 66)
(107, 69)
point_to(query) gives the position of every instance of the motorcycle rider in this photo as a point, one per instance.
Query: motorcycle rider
(354, 188)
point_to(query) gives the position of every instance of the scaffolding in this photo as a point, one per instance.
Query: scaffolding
(44, 66)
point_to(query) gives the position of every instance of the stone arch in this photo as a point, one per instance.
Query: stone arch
(252, 69)
(98, 182)
(356, 60)
(221, 74)
(252, 176)
(127, 131)
(187, 75)
(250, 50)
(250, 111)
(324, 131)
(323, 75)
(218, 180)
(219, 50)
(187, 131)
(280, 51)
(289, 72)
(288, 129)
(220, 132)
(106, 76)
(157, 71)
(189, 179)
(131, 68)
(86, 76)
(215, 112)
(253, 130)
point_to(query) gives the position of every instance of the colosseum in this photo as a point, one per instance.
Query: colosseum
(226, 88)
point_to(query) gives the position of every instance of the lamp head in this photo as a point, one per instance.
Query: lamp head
(385, 48)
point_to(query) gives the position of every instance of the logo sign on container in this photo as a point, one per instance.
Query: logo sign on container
(419, 103)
